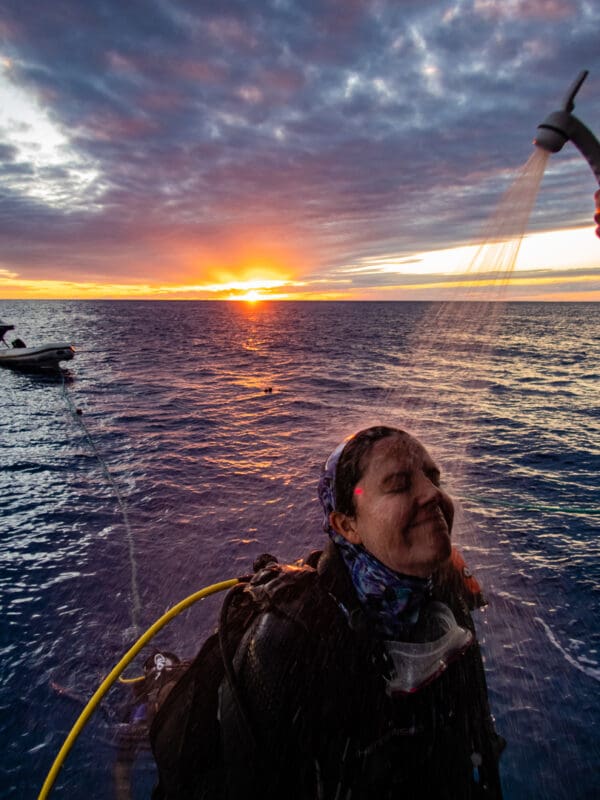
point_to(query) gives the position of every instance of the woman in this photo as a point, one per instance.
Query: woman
(360, 677)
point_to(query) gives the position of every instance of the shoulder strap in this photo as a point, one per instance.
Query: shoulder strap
(284, 590)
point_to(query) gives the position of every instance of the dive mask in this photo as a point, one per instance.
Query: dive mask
(417, 663)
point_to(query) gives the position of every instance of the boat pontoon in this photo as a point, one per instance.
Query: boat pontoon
(18, 356)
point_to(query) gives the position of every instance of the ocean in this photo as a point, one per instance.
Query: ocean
(157, 464)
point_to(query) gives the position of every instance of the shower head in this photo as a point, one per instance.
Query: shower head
(561, 126)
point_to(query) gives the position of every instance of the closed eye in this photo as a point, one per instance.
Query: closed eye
(397, 482)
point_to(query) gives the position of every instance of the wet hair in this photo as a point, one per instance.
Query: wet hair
(353, 462)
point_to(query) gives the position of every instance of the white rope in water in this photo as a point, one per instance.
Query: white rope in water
(135, 596)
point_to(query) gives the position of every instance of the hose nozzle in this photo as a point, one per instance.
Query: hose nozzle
(569, 103)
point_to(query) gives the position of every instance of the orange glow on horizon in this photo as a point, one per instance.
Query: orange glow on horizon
(559, 265)
(553, 288)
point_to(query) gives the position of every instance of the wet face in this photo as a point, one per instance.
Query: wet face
(401, 515)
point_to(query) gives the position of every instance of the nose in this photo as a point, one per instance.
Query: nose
(427, 492)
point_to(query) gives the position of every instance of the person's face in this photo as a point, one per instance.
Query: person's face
(402, 516)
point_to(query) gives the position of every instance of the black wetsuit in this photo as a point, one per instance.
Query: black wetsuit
(312, 680)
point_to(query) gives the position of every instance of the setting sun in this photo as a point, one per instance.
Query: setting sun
(255, 289)
(251, 297)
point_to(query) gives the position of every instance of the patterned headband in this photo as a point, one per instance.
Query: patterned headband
(327, 485)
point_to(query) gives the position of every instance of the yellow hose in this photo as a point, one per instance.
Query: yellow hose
(137, 679)
(117, 670)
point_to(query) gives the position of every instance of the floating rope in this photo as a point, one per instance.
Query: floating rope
(136, 604)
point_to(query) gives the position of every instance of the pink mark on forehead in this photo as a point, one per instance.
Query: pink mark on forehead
(358, 490)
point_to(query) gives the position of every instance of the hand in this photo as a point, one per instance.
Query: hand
(597, 214)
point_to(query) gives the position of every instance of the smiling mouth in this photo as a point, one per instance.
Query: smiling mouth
(436, 517)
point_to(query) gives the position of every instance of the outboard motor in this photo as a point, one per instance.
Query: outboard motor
(561, 126)
(5, 327)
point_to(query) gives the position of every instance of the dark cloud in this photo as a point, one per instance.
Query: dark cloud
(8, 152)
(365, 127)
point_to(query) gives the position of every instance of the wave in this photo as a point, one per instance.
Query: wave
(586, 668)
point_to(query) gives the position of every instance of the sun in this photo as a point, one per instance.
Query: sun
(252, 296)
(253, 290)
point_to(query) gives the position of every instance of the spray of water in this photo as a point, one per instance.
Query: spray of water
(504, 231)
(491, 268)
(452, 334)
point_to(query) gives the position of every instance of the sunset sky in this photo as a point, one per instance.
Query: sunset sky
(292, 149)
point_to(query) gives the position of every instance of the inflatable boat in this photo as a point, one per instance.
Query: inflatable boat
(19, 356)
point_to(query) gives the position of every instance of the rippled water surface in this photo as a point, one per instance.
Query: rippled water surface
(212, 471)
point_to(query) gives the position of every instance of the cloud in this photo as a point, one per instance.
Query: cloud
(165, 131)
(526, 9)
